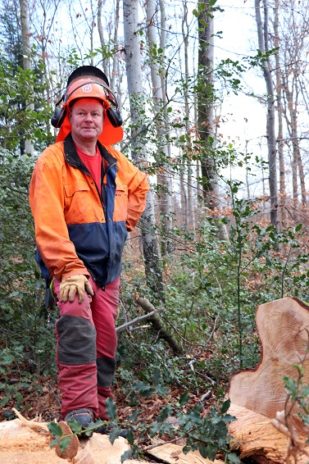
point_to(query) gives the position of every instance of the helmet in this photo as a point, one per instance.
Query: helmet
(85, 82)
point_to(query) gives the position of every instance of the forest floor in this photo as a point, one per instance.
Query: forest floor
(41, 401)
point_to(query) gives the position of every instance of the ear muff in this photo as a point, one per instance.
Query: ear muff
(59, 113)
(114, 116)
(58, 117)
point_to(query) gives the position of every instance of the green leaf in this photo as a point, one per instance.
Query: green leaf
(184, 399)
(55, 429)
(225, 406)
(126, 455)
(233, 458)
(75, 426)
(114, 434)
(4, 401)
(65, 442)
(111, 409)
(130, 437)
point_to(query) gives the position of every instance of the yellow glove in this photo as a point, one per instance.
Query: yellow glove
(75, 284)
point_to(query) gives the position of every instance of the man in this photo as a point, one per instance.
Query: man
(84, 197)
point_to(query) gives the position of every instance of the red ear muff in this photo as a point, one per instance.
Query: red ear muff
(114, 116)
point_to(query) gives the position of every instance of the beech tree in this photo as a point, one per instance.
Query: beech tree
(287, 43)
(161, 123)
(109, 46)
(26, 56)
(205, 102)
(187, 193)
(21, 90)
(293, 68)
(151, 249)
(280, 140)
(261, 9)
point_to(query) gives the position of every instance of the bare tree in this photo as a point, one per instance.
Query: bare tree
(26, 56)
(294, 46)
(43, 18)
(115, 66)
(263, 42)
(280, 139)
(101, 35)
(135, 79)
(158, 86)
(188, 203)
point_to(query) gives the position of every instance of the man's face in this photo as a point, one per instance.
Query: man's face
(86, 119)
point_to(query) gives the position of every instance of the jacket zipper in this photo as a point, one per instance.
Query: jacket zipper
(103, 188)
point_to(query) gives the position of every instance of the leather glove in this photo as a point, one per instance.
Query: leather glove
(75, 284)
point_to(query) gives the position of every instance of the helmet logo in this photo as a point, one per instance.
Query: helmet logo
(87, 88)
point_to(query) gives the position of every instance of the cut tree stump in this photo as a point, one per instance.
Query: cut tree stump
(257, 396)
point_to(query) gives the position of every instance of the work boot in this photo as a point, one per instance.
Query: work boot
(84, 417)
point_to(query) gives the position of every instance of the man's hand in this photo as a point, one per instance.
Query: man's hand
(75, 284)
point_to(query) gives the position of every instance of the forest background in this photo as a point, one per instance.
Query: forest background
(224, 138)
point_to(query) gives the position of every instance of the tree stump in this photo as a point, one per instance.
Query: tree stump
(259, 396)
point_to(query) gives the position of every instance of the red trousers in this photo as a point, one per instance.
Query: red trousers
(86, 349)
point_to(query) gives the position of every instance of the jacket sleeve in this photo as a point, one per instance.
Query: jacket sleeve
(46, 197)
(138, 186)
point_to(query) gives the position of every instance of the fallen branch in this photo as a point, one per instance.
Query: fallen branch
(157, 324)
(120, 328)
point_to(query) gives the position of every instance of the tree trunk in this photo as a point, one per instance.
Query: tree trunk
(183, 198)
(26, 58)
(91, 30)
(262, 32)
(291, 118)
(115, 66)
(205, 103)
(190, 219)
(101, 35)
(280, 140)
(163, 179)
(293, 48)
(135, 78)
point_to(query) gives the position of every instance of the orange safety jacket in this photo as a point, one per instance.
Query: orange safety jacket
(78, 231)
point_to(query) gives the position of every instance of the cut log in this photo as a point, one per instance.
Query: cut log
(283, 328)
(28, 442)
(173, 454)
(256, 438)
(20, 444)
